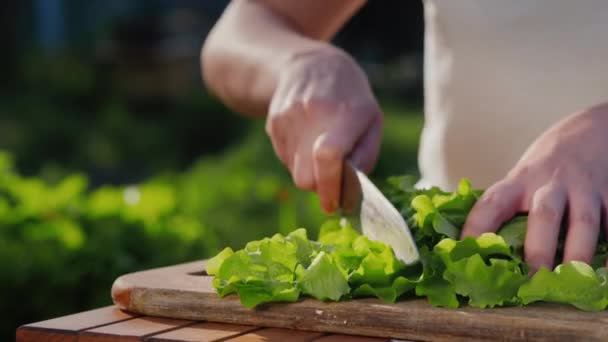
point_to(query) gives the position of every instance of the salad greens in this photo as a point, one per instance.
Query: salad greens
(484, 272)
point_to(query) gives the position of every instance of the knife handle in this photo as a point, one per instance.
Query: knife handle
(350, 192)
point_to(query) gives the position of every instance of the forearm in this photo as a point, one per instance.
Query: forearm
(243, 55)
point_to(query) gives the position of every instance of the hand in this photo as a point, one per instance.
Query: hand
(322, 112)
(563, 174)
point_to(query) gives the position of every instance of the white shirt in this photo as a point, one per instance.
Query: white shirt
(498, 74)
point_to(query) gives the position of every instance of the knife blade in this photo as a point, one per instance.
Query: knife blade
(368, 210)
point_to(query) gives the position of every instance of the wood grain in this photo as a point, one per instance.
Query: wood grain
(174, 292)
(351, 338)
(132, 330)
(274, 334)
(67, 328)
(202, 332)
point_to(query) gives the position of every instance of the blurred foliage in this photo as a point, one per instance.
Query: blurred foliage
(75, 115)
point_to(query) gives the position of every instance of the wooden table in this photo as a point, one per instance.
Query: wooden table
(112, 324)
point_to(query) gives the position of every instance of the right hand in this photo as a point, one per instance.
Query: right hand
(321, 113)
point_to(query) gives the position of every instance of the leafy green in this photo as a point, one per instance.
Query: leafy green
(213, 264)
(573, 283)
(283, 267)
(485, 272)
(438, 290)
(482, 270)
(323, 279)
(261, 272)
(388, 293)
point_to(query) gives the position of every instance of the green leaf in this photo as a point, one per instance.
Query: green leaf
(464, 187)
(443, 226)
(424, 208)
(438, 290)
(485, 285)
(323, 279)
(514, 232)
(390, 293)
(214, 264)
(304, 248)
(378, 265)
(337, 233)
(473, 271)
(574, 283)
(255, 292)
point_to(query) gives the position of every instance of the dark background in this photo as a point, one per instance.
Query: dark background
(114, 158)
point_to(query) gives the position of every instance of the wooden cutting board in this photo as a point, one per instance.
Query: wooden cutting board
(185, 291)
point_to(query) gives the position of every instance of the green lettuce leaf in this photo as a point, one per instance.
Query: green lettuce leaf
(388, 293)
(574, 283)
(337, 233)
(213, 264)
(282, 268)
(378, 265)
(438, 290)
(323, 279)
(481, 269)
(261, 272)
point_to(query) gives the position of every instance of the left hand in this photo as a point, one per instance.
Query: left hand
(564, 173)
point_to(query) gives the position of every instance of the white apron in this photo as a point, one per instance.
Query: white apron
(499, 73)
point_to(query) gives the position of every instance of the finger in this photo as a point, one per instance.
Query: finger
(544, 220)
(365, 152)
(583, 226)
(329, 151)
(279, 143)
(282, 128)
(604, 213)
(302, 171)
(328, 155)
(498, 204)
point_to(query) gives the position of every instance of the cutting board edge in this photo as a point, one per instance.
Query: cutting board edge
(121, 293)
(147, 293)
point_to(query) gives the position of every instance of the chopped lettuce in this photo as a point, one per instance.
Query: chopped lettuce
(282, 268)
(484, 272)
(323, 279)
(574, 283)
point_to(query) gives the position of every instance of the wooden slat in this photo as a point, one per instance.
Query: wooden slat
(175, 292)
(350, 338)
(274, 334)
(66, 328)
(202, 332)
(132, 330)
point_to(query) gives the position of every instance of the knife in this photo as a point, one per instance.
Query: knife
(368, 210)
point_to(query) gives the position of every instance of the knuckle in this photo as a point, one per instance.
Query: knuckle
(272, 124)
(582, 173)
(304, 183)
(520, 172)
(327, 153)
(560, 173)
(545, 212)
(492, 200)
(587, 218)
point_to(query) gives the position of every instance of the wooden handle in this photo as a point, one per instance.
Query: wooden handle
(350, 194)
